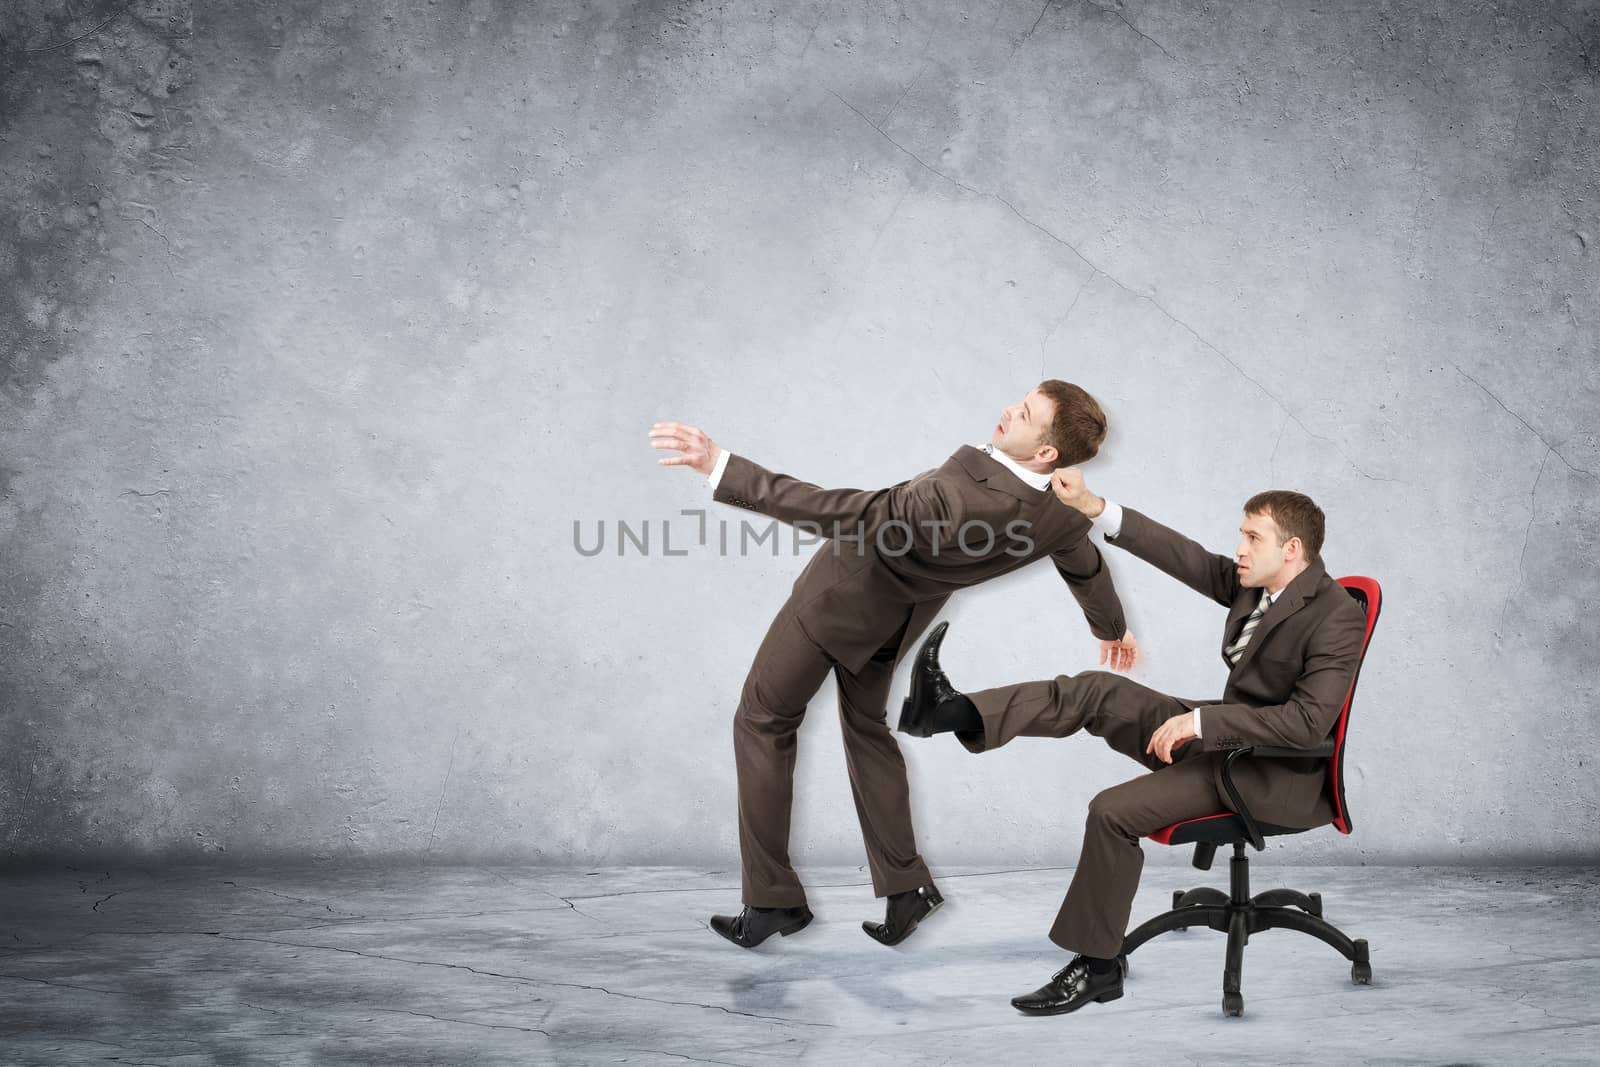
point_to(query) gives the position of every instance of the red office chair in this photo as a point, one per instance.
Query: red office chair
(1236, 912)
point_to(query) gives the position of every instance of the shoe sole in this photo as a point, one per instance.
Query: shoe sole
(782, 931)
(913, 927)
(1101, 999)
(795, 928)
(906, 726)
(936, 639)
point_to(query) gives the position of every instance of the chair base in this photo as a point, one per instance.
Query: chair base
(1238, 914)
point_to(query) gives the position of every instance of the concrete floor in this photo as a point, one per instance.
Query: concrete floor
(486, 965)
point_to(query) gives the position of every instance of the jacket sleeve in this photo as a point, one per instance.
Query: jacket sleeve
(920, 504)
(1311, 711)
(1207, 573)
(1087, 576)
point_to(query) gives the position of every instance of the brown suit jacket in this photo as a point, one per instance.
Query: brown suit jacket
(854, 597)
(1289, 685)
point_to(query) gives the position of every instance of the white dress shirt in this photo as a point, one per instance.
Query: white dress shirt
(1033, 478)
(716, 471)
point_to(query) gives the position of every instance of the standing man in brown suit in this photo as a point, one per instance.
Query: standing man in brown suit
(892, 559)
(1291, 644)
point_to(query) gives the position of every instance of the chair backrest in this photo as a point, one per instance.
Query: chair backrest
(1369, 595)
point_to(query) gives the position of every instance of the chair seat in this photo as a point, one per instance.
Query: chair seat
(1222, 829)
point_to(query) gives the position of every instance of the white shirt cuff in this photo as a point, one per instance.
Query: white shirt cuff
(1109, 522)
(722, 464)
(1196, 714)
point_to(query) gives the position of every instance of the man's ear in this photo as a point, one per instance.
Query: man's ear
(1048, 454)
(1294, 550)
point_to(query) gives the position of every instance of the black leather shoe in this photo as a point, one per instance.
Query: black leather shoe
(929, 689)
(1072, 987)
(902, 914)
(754, 925)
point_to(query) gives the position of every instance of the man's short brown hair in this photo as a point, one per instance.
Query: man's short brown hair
(1295, 514)
(1079, 425)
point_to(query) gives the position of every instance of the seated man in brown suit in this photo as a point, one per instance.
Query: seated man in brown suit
(893, 558)
(1291, 645)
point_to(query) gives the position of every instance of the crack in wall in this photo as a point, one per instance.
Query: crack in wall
(927, 46)
(117, 1059)
(1488, 230)
(1124, 19)
(915, 158)
(355, 919)
(1522, 556)
(442, 789)
(809, 37)
(284, 896)
(1574, 1025)
(1114, 280)
(678, 1056)
(1192, 332)
(1272, 460)
(1048, 4)
(1065, 315)
(577, 909)
(463, 1022)
(84, 37)
(1583, 47)
(83, 886)
(69, 985)
(1104, 11)
(877, 236)
(1526, 424)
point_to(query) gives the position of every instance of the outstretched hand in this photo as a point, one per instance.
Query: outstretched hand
(695, 450)
(1123, 654)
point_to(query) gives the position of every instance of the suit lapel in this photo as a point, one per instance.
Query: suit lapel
(1291, 600)
(987, 469)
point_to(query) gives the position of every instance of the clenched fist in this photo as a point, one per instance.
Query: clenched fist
(696, 450)
(1067, 484)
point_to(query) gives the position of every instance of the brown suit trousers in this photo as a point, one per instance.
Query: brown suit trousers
(787, 672)
(1094, 913)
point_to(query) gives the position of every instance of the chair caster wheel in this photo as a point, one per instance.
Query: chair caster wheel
(1316, 904)
(1177, 899)
(1233, 1004)
(1122, 961)
(1361, 974)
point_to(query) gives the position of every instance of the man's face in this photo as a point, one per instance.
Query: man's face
(1022, 426)
(1261, 555)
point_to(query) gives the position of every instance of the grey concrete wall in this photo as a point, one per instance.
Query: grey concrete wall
(323, 323)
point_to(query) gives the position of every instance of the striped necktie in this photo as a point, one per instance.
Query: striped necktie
(1236, 650)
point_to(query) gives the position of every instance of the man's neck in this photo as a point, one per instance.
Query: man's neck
(1030, 463)
(1275, 593)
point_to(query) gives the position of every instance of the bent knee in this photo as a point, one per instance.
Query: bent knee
(761, 711)
(1109, 811)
